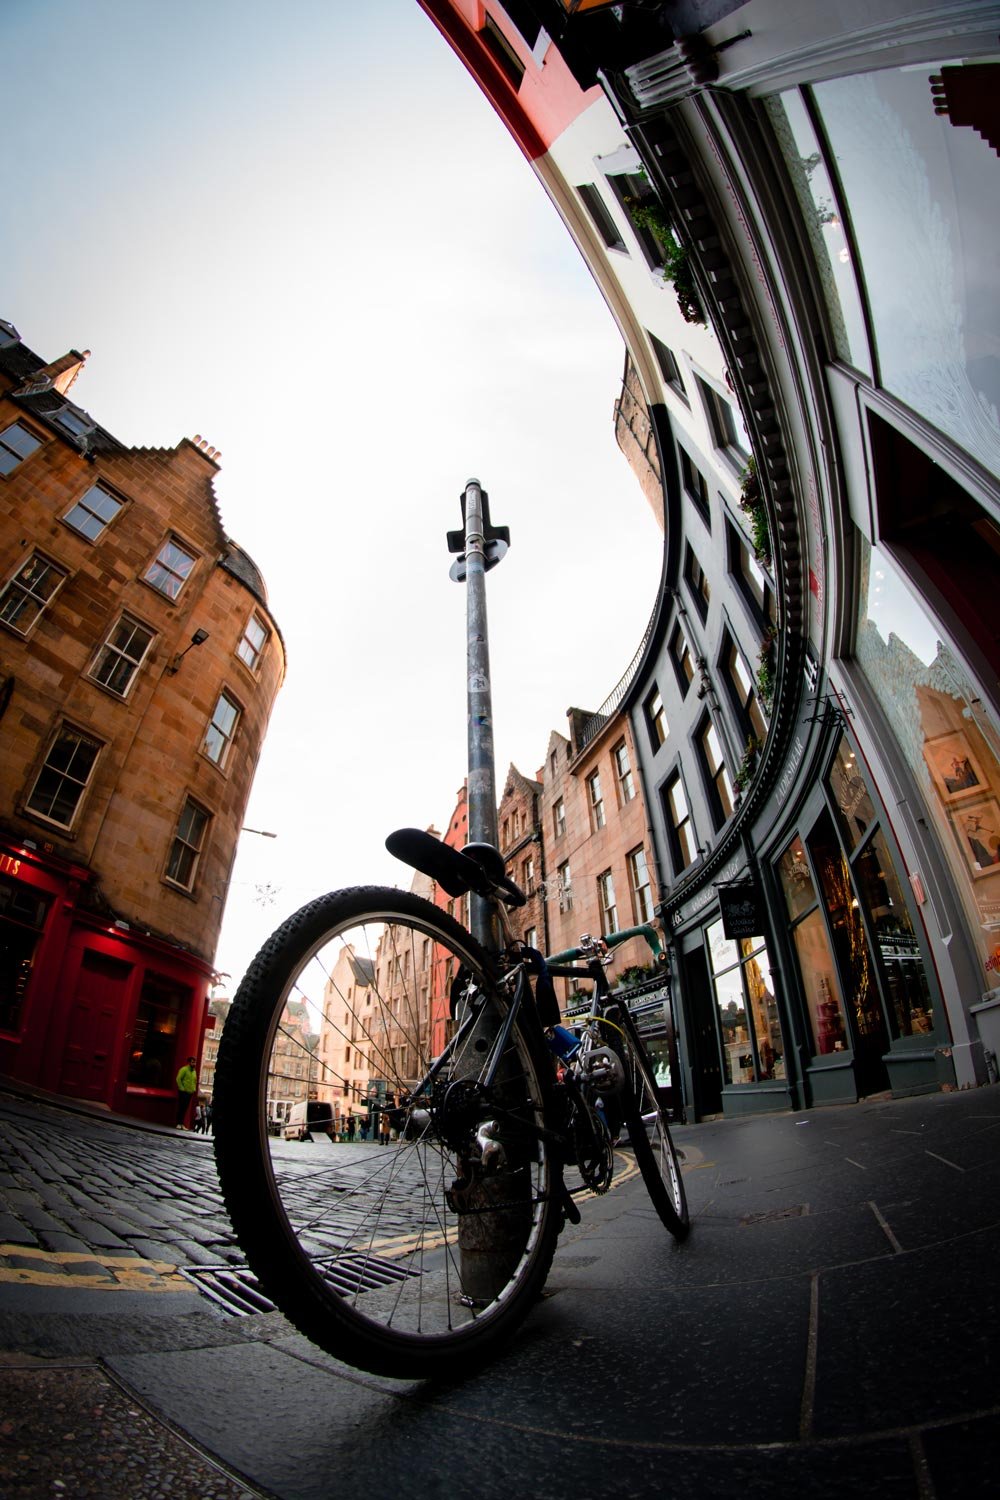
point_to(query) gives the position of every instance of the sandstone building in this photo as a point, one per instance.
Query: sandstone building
(139, 663)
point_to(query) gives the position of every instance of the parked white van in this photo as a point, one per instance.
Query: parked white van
(308, 1119)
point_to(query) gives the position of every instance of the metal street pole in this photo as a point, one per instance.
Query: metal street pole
(490, 1236)
(481, 546)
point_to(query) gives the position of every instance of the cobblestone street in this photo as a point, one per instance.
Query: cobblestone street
(94, 1202)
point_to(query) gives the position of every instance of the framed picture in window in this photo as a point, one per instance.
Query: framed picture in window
(977, 825)
(956, 773)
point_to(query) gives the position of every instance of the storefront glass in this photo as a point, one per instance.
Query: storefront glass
(152, 1061)
(894, 937)
(22, 918)
(821, 986)
(752, 1046)
(947, 737)
(659, 1055)
(925, 216)
(850, 941)
(821, 215)
(854, 808)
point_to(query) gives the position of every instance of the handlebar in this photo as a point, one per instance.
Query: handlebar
(613, 939)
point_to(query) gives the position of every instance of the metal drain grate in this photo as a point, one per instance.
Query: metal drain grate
(237, 1290)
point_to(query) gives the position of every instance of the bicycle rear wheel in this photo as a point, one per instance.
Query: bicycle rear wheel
(649, 1133)
(417, 1244)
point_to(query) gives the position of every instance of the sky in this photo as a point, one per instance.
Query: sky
(301, 232)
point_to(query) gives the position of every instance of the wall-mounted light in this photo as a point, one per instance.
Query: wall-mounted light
(198, 639)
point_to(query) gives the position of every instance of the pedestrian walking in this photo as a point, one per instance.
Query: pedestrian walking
(187, 1087)
(351, 1127)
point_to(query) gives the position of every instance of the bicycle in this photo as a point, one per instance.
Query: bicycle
(415, 1256)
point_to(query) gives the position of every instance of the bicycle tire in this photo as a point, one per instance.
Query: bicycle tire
(358, 1244)
(649, 1132)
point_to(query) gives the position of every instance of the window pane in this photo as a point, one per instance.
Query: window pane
(855, 811)
(63, 778)
(764, 1015)
(925, 213)
(796, 879)
(642, 896)
(820, 213)
(93, 511)
(623, 767)
(601, 215)
(723, 951)
(220, 731)
(154, 1034)
(251, 645)
(606, 895)
(899, 950)
(944, 733)
(22, 919)
(849, 938)
(821, 986)
(170, 570)
(122, 655)
(28, 592)
(737, 1053)
(16, 444)
(186, 847)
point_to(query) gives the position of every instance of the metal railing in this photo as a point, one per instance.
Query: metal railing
(593, 725)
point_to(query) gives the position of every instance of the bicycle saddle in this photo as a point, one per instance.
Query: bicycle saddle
(477, 867)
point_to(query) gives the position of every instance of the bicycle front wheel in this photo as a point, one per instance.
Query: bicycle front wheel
(379, 1135)
(649, 1133)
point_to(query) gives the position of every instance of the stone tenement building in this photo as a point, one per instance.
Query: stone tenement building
(139, 664)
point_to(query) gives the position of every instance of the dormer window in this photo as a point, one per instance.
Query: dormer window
(75, 422)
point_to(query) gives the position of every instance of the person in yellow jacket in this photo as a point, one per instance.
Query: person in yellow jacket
(187, 1087)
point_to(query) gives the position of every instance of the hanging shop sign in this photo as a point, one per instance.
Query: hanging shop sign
(742, 910)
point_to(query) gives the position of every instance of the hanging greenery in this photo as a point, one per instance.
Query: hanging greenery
(634, 975)
(752, 506)
(647, 214)
(748, 765)
(766, 668)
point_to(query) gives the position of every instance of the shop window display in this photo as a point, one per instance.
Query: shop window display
(820, 981)
(752, 1045)
(22, 920)
(894, 938)
(946, 734)
(850, 941)
(152, 1063)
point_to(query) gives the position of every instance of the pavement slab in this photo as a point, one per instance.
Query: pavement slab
(75, 1432)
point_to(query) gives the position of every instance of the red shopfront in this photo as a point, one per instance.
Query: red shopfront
(89, 1007)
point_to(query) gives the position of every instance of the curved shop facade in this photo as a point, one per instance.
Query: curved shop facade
(832, 890)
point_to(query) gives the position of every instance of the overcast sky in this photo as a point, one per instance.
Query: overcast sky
(301, 231)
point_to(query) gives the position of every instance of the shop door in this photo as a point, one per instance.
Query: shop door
(699, 1001)
(95, 1028)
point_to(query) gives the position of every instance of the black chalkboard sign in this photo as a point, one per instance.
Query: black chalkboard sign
(742, 910)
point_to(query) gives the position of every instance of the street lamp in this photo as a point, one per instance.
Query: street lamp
(198, 639)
